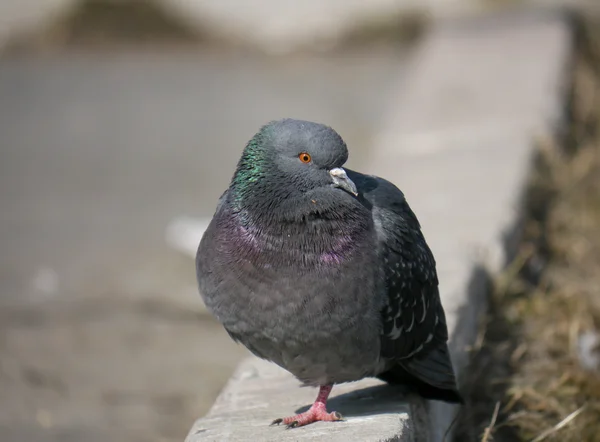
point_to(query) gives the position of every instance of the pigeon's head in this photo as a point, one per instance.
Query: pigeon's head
(292, 158)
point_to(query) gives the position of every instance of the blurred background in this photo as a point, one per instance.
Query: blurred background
(119, 121)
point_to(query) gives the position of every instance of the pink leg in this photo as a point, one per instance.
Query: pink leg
(318, 412)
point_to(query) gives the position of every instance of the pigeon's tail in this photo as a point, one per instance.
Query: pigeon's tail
(431, 376)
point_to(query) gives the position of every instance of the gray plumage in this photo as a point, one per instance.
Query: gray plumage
(326, 275)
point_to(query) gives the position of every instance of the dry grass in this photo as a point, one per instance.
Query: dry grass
(550, 294)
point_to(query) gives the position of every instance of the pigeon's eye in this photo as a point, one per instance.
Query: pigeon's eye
(304, 157)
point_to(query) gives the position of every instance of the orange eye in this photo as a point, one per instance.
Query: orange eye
(304, 157)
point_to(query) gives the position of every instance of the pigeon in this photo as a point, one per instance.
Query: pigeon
(324, 271)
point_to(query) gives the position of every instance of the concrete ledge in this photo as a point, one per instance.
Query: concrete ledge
(458, 140)
(260, 392)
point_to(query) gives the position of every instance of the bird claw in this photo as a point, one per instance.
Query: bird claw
(289, 426)
(308, 417)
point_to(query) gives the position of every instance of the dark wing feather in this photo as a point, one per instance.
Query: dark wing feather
(412, 316)
(414, 332)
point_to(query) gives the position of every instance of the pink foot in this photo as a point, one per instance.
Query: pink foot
(318, 412)
(308, 417)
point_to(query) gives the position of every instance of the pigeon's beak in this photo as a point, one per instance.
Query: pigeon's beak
(341, 180)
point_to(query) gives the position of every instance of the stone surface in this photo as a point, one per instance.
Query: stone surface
(458, 138)
(260, 392)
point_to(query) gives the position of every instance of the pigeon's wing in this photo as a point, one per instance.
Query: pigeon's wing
(414, 331)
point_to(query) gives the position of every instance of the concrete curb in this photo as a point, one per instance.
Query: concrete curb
(459, 137)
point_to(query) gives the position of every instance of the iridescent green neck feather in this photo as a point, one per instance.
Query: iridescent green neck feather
(251, 168)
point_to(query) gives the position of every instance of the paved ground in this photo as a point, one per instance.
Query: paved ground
(101, 332)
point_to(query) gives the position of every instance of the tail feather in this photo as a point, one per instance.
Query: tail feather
(430, 375)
